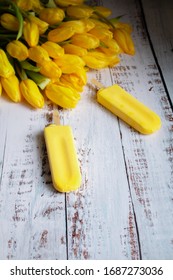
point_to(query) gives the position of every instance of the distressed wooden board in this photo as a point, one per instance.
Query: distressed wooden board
(158, 16)
(124, 208)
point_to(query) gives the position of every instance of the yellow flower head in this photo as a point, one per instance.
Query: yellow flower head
(50, 69)
(31, 33)
(6, 69)
(85, 40)
(11, 87)
(38, 54)
(42, 25)
(60, 34)
(31, 93)
(70, 63)
(9, 22)
(52, 15)
(34, 5)
(80, 11)
(124, 41)
(65, 3)
(17, 50)
(53, 49)
(74, 49)
(62, 95)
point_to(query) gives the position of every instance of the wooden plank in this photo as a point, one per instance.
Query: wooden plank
(158, 16)
(30, 209)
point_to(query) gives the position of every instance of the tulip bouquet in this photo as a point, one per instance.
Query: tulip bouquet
(47, 47)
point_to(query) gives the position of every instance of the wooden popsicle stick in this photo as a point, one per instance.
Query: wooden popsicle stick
(56, 117)
(97, 84)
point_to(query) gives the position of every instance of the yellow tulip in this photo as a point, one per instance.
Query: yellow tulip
(75, 80)
(6, 69)
(11, 87)
(50, 69)
(85, 40)
(89, 24)
(77, 25)
(31, 93)
(97, 22)
(73, 49)
(60, 34)
(65, 3)
(38, 54)
(70, 63)
(111, 46)
(17, 50)
(80, 11)
(62, 95)
(106, 12)
(34, 5)
(97, 60)
(9, 22)
(42, 25)
(54, 50)
(122, 25)
(31, 33)
(52, 15)
(101, 33)
(124, 41)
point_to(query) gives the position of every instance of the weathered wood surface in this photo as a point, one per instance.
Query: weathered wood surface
(124, 208)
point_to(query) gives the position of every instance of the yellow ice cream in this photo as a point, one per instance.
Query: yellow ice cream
(63, 159)
(129, 109)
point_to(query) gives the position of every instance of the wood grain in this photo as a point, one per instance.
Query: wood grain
(124, 207)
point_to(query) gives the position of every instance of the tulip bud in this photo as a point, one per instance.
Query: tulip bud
(73, 49)
(97, 60)
(33, 5)
(52, 15)
(38, 54)
(11, 87)
(89, 24)
(31, 33)
(124, 41)
(65, 3)
(80, 11)
(101, 33)
(17, 50)
(50, 69)
(106, 12)
(62, 95)
(77, 25)
(6, 69)
(31, 93)
(53, 49)
(42, 25)
(70, 63)
(9, 22)
(60, 34)
(75, 80)
(85, 40)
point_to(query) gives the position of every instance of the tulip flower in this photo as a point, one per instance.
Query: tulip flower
(31, 93)
(110, 46)
(53, 49)
(6, 69)
(31, 33)
(97, 60)
(89, 24)
(9, 22)
(34, 5)
(73, 49)
(106, 12)
(124, 41)
(38, 54)
(75, 80)
(11, 87)
(85, 40)
(52, 15)
(50, 69)
(101, 33)
(80, 11)
(62, 95)
(65, 3)
(42, 25)
(70, 63)
(60, 34)
(17, 50)
(77, 25)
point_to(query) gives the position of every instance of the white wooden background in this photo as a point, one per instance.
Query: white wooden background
(124, 208)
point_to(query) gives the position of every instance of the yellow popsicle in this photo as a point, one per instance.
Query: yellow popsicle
(62, 156)
(129, 109)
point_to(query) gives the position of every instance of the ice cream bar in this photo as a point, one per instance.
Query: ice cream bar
(62, 156)
(129, 109)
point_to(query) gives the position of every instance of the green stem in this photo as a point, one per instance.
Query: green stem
(20, 19)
